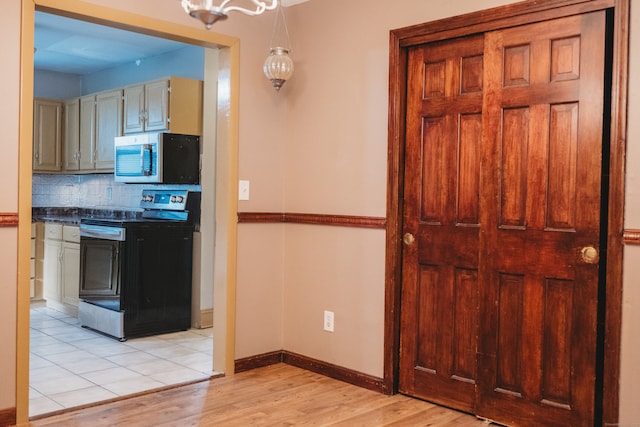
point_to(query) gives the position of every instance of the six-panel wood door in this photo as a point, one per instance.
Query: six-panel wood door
(442, 208)
(500, 287)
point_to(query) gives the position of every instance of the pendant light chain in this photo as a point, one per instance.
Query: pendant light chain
(280, 13)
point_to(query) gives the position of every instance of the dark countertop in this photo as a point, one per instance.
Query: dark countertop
(72, 216)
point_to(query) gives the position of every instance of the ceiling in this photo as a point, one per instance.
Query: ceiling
(70, 46)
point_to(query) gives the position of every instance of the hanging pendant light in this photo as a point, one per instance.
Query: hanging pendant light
(278, 67)
(207, 12)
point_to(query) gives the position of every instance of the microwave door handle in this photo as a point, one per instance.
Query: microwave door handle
(145, 154)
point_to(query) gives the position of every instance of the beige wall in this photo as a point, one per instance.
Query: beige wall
(8, 262)
(9, 123)
(336, 158)
(318, 146)
(336, 163)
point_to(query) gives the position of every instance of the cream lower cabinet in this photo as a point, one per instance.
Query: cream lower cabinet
(70, 274)
(52, 261)
(32, 263)
(61, 272)
(37, 235)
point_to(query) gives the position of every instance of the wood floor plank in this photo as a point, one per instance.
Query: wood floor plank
(277, 395)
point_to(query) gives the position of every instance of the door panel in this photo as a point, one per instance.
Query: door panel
(542, 153)
(440, 294)
(502, 192)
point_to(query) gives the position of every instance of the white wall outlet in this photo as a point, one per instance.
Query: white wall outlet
(328, 321)
(243, 190)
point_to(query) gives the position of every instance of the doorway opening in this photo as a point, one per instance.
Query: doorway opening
(223, 50)
(72, 366)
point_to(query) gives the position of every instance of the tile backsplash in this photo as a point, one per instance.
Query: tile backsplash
(90, 191)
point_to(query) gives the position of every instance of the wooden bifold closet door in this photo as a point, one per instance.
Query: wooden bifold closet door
(504, 137)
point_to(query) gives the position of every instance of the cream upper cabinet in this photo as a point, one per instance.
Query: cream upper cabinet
(47, 135)
(108, 126)
(100, 123)
(156, 103)
(173, 104)
(77, 135)
(87, 132)
(71, 148)
(133, 109)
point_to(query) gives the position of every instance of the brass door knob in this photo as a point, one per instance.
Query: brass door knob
(408, 239)
(589, 254)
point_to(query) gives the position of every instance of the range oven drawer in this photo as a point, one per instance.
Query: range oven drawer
(110, 322)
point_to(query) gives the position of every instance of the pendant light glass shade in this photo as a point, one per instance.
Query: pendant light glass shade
(278, 67)
(207, 12)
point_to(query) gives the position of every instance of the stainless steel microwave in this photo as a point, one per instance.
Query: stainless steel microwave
(158, 157)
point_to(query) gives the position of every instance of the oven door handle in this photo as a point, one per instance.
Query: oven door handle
(103, 232)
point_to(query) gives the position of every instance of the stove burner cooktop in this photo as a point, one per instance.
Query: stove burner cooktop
(159, 207)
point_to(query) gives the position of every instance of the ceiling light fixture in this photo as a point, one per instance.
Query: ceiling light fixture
(209, 13)
(278, 67)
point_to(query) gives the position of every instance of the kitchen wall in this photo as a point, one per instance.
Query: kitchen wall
(91, 191)
(185, 62)
(54, 85)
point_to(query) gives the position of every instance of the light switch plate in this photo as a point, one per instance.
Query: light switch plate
(243, 190)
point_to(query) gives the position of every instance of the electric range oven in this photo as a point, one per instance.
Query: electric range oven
(135, 274)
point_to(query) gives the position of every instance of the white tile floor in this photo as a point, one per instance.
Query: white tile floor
(72, 366)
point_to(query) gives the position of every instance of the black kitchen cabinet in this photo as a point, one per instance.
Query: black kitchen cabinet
(157, 275)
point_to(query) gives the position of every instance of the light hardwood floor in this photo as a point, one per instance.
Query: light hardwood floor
(277, 395)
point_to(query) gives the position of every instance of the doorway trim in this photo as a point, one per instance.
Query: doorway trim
(225, 182)
(478, 22)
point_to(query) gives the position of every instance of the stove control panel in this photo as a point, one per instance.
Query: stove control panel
(175, 200)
